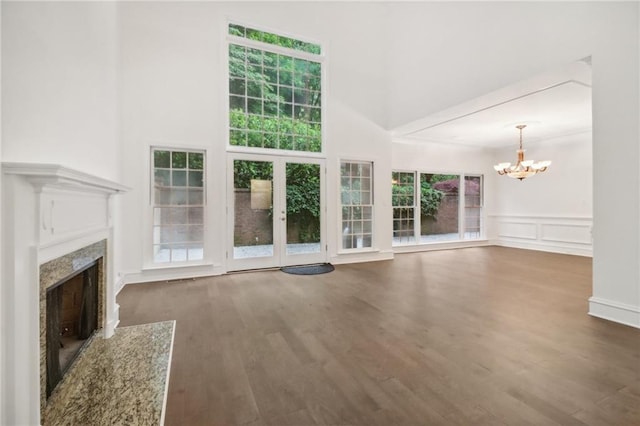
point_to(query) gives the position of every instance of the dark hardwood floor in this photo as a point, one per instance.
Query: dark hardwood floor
(458, 337)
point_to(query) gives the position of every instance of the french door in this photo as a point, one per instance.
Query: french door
(276, 211)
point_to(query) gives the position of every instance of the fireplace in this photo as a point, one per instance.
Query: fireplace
(71, 320)
(57, 224)
(72, 304)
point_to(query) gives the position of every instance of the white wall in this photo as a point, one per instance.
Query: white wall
(552, 211)
(60, 85)
(616, 136)
(173, 62)
(2, 287)
(440, 157)
(565, 189)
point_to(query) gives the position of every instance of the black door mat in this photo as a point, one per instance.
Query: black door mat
(320, 268)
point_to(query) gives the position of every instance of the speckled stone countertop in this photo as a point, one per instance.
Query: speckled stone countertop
(116, 381)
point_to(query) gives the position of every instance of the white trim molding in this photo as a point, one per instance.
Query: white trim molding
(361, 256)
(172, 273)
(55, 175)
(615, 311)
(557, 234)
(440, 246)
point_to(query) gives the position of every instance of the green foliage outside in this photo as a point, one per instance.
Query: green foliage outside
(303, 200)
(244, 171)
(274, 132)
(274, 99)
(178, 160)
(430, 198)
(402, 190)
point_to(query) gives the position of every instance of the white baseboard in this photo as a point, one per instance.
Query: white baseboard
(440, 246)
(112, 324)
(358, 257)
(119, 285)
(615, 311)
(551, 248)
(172, 273)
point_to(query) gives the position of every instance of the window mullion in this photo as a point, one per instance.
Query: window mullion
(462, 217)
(417, 208)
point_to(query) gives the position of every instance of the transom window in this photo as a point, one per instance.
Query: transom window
(275, 91)
(178, 205)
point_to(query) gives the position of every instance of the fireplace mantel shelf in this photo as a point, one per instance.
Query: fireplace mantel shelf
(55, 175)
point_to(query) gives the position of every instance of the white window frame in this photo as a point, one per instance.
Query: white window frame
(151, 260)
(371, 205)
(415, 207)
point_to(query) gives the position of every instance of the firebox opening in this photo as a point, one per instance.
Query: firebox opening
(71, 319)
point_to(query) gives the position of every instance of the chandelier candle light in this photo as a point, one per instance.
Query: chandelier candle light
(522, 169)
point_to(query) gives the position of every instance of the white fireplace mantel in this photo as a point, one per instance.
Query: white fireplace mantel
(55, 175)
(48, 210)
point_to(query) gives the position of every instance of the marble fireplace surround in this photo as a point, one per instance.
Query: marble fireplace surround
(54, 220)
(60, 269)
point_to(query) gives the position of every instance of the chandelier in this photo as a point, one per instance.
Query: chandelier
(522, 169)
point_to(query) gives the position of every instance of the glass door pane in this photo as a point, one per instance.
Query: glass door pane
(253, 209)
(302, 208)
(275, 212)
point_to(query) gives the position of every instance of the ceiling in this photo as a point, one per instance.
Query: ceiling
(552, 105)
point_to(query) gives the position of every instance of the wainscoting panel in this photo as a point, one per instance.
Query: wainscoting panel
(566, 233)
(522, 230)
(571, 235)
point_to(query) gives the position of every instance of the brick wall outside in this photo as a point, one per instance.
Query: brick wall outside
(252, 227)
(446, 220)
